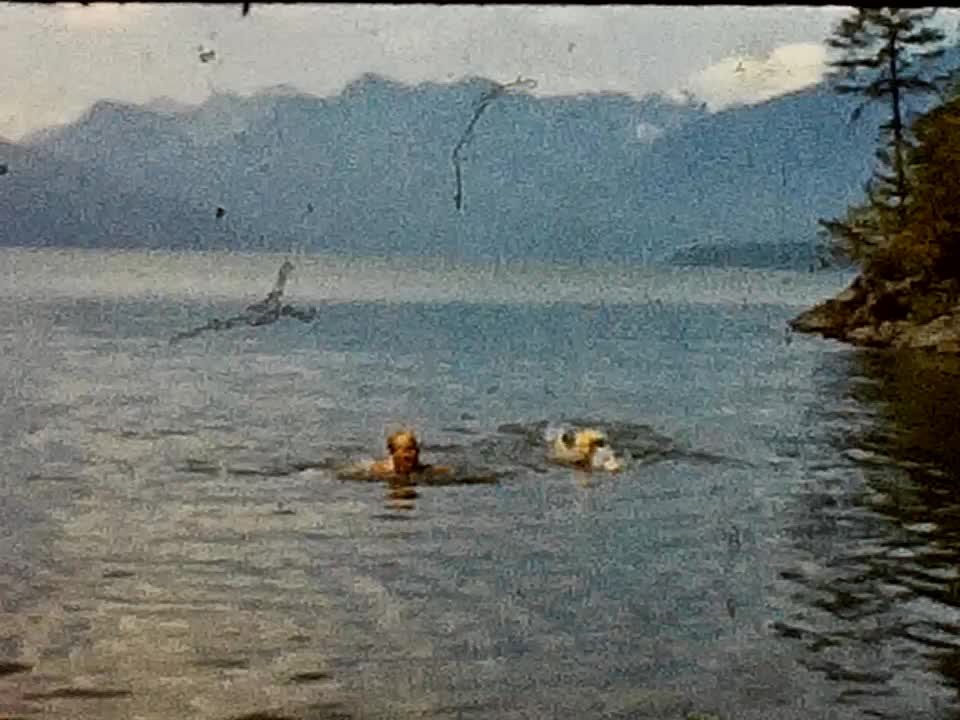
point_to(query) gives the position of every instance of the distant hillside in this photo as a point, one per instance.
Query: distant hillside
(49, 201)
(368, 171)
(762, 254)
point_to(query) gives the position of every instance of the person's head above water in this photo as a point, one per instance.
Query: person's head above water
(403, 464)
(586, 448)
(404, 451)
(589, 439)
(404, 460)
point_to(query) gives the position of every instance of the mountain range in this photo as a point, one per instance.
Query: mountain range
(368, 171)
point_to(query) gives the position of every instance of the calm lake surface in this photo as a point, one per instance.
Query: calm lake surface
(175, 543)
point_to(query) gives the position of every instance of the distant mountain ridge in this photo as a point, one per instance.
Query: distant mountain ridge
(762, 254)
(369, 171)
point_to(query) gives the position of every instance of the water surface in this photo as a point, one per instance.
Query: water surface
(176, 543)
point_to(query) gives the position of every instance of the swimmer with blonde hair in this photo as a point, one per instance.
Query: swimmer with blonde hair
(587, 449)
(404, 449)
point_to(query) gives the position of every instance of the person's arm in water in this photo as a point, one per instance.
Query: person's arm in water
(385, 467)
(436, 469)
(382, 467)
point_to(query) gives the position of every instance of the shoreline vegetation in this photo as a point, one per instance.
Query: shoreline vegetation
(905, 235)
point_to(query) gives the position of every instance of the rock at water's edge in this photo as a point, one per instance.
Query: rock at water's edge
(939, 335)
(911, 313)
(833, 317)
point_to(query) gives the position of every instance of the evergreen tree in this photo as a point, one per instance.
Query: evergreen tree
(883, 51)
(930, 237)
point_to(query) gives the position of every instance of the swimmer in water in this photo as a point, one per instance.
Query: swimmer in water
(586, 449)
(404, 459)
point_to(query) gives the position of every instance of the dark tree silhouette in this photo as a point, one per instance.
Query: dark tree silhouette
(884, 55)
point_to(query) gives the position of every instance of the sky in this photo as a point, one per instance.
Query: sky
(57, 60)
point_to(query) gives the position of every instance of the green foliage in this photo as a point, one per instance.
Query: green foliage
(924, 238)
(883, 55)
(932, 224)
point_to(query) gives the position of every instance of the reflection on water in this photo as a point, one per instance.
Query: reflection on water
(401, 495)
(176, 541)
(877, 577)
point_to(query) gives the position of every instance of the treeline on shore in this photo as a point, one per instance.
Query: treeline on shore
(905, 233)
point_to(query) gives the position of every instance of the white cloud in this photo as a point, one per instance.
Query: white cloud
(744, 80)
(58, 60)
(99, 16)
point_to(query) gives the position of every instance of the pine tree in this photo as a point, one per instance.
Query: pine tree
(883, 54)
(931, 232)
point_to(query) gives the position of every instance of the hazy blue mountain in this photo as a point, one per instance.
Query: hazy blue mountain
(50, 201)
(758, 254)
(369, 171)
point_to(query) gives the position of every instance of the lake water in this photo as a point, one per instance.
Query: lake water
(174, 541)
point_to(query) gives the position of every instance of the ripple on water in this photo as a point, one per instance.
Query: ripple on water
(235, 578)
(11, 667)
(78, 693)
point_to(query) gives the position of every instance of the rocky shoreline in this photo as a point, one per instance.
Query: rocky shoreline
(914, 312)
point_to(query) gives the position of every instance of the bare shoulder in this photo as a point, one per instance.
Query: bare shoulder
(382, 467)
(437, 470)
(357, 471)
